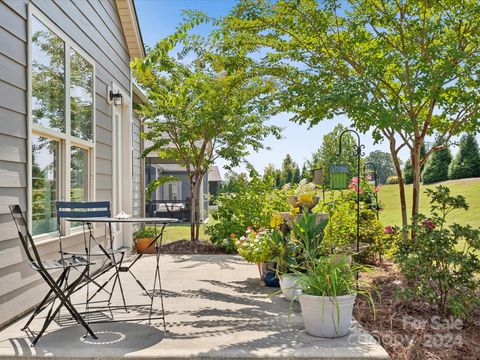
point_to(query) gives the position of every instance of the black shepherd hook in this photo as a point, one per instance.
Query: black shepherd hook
(375, 180)
(358, 153)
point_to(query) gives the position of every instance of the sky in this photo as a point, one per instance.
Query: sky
(159, 18)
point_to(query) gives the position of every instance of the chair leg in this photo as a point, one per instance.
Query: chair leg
(64, 301)
(44, 303)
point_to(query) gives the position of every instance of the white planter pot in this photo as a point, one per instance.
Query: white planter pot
(321, 317)
(290, 289)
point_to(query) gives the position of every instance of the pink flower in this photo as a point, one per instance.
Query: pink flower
(428, 224)
(355, 180)
(368, 177)
(376, 189)
(388, 230)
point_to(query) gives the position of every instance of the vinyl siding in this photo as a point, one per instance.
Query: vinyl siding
(137, 195)
(94, 26)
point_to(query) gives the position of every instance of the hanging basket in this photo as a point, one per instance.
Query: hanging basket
(339, 176)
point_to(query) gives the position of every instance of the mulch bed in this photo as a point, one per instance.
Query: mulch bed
(412, 330)
(191, 247)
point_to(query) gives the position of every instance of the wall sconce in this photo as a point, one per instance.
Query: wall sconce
(116, 98)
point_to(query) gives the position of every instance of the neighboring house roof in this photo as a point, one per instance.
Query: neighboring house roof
(171, 167)
(131, 28)
(214, 174)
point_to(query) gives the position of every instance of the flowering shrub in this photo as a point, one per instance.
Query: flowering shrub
(251, 202)
(254, 246)
(441, 264)
(367, 192)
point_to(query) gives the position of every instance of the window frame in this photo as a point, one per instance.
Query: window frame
(66, 139)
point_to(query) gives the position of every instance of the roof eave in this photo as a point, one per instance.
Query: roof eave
(131, 28)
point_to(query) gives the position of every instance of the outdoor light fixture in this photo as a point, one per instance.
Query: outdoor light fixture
(116, 98)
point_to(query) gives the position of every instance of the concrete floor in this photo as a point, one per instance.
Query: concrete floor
(215, 308)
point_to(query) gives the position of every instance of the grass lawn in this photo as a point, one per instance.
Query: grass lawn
(181, 232)
(470, 188)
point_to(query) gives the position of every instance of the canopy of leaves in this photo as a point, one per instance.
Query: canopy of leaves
(200, 112)
(405, 67)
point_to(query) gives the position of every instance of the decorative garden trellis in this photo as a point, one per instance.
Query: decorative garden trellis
(358, 153)
(375, 181)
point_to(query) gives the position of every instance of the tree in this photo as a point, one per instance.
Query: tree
(403, 69)
(467, 161)
(327, 154)
(290, 173)
(383, 164)
(436, 168)
(200, 112)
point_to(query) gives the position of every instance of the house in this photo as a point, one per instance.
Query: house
(173, 198)
(214, 181)
(67, 128)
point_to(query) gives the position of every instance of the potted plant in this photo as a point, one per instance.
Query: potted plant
(143, 238)
(329, 289)
(255, 248)
(304, 196)
(284, 254)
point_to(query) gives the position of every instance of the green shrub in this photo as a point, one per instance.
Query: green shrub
(146, 232)
(440, 264)
(341, 229)
(251, 203)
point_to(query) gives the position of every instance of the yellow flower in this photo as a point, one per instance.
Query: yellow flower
(305, 199)
(295, 210)
(276, 220)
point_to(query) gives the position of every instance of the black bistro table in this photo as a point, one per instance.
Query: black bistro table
(157, 241)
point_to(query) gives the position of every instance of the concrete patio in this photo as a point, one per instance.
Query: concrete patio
(215, 308)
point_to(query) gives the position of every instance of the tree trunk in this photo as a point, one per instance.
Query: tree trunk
(417, 169)
(192, 209)
(197, 206)
(401, 184)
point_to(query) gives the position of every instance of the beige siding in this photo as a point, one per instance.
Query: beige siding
(94, 26)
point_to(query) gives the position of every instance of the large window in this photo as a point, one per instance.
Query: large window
(62, 85)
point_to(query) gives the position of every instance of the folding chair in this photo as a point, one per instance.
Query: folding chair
(57, 288)
(95, 209)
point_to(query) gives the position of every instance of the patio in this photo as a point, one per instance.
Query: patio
(215, 308)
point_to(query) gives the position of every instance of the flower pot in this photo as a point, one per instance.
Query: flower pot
(325, 316)
(142, 246)
(290, 289)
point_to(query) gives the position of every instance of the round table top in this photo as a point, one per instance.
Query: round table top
(150, 220)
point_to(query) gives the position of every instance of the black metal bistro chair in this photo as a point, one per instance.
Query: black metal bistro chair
(57, 289)
(112, 258)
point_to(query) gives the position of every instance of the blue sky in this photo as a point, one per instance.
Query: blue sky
(158, 18)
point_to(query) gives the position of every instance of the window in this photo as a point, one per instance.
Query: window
(45, 181)
(62, 111)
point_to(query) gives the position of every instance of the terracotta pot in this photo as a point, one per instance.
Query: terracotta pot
(141, 245)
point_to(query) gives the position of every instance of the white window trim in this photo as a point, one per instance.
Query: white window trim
(66, 139)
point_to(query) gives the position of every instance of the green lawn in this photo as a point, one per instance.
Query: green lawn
(180, 232)
(470, 188)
